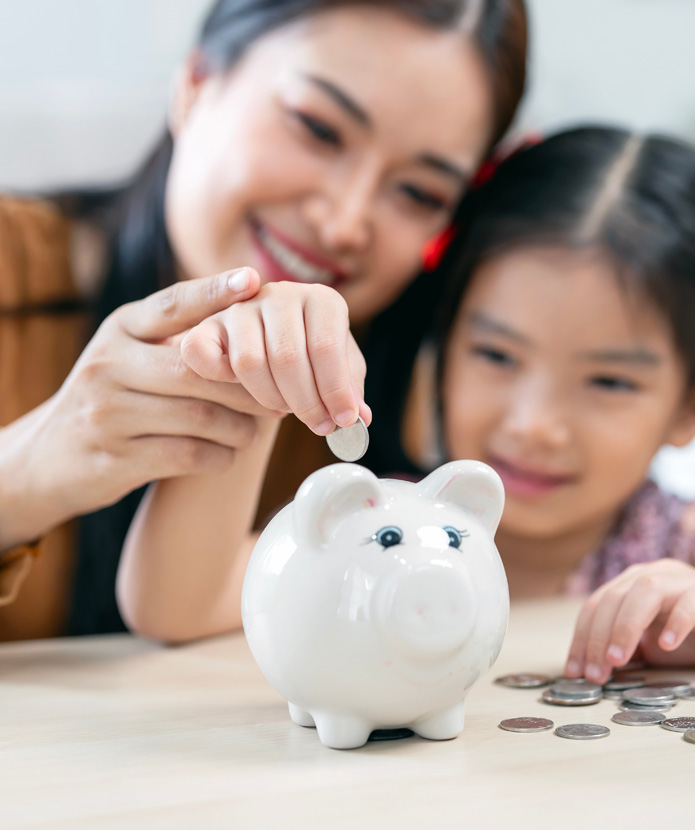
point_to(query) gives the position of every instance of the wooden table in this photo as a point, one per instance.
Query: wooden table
(114, 732)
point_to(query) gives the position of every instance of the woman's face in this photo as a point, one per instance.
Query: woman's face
(564, 384)
(331, 152)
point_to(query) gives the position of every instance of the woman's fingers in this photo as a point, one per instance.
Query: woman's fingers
(145, 415)
(286, 342)
(576, 659)
(680, 622)
(185, 304)
(173, 456)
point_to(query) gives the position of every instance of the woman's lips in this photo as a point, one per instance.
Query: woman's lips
(524, 482)
(285, 260)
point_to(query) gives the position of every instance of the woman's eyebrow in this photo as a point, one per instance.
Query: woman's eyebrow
(351, 107)
(442, 165)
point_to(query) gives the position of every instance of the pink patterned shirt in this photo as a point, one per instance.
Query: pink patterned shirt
(651, 527)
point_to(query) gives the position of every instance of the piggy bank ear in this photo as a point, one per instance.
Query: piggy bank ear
(330, 495)
(470, 485)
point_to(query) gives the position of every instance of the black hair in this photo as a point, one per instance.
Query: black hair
(630, 198)
(140, 256)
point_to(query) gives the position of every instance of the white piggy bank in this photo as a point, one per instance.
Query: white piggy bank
(376, 604)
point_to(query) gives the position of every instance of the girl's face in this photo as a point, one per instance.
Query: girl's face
(564, 384)
(331, 152)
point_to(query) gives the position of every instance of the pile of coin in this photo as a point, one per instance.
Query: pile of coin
(641, 703)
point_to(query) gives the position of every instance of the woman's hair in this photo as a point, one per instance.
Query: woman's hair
(141, 260)
(629, 198)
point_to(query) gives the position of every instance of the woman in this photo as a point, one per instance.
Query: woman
(294, 147)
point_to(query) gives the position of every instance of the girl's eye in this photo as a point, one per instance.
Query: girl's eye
(496, 356)
(613, 384)
(423, 199)
(319, 129)
(387, 537)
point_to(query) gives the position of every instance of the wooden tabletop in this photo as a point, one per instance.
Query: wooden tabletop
(114, 732)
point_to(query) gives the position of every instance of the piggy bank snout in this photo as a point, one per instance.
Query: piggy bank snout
(429, 611)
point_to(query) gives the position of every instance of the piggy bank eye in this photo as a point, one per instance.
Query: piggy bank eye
(455, 536)
(387, 537)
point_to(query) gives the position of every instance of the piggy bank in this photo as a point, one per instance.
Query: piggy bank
(375, 603)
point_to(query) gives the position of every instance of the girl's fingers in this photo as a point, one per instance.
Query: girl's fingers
(327, 333)
(639, 609)
(596, 667)
(173, 456)
(290, 366)
(205, 350)
(185, 304)
(576, 659)
(248, 356)
(680, 622)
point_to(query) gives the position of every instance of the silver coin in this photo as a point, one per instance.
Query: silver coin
(526, 724)
(683, 724)
(612, 695)
(675, 687)
(689, 695)
(574, 688)
(690, 736)
(648, 718)
(582, 731)
(523, 680)
(623, 683)
(626, 706)
(349, 443)
(645, 695)
(556, 700)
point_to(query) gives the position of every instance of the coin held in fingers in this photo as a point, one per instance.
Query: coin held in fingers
(349, 443)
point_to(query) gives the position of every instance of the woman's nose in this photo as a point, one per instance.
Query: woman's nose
(538, 415)
(342, 211)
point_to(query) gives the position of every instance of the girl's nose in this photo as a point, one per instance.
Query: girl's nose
(342, 212)
(538, 416)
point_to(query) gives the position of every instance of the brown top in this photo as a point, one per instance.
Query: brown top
(37, 350)
(38, 347)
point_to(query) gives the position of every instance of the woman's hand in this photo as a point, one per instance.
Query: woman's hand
(649, 609)
(131, 411)
(291, 348)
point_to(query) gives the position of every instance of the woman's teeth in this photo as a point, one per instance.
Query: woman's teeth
(293, 263)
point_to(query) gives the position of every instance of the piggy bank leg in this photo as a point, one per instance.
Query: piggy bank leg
(442, 726)
(300, 716)
(342, 731)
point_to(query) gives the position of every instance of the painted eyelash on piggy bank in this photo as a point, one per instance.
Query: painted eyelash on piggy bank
(376, 604)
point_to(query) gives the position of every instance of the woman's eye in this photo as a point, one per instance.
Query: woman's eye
(423, 199)
(613, 384)
(496, 356)
(319, 129)
(387, 537)
(455, 536)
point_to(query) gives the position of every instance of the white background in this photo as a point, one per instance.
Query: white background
(84, 87)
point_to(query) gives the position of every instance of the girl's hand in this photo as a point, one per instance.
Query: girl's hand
(650, 608)
(291, 348)
(130, 412)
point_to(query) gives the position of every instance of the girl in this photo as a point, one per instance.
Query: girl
(563, 355)
(295, 147)
(565, 358)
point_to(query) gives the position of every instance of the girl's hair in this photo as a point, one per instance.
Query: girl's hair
(629, 198)
(141, 260)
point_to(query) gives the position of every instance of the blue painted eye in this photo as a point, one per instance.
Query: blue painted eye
(454, 536)
(387, 537)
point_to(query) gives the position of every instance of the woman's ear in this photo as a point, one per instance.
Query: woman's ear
(186, 85)
(683, 428)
